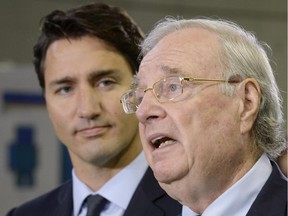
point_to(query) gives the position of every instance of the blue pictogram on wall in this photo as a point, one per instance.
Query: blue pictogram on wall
(23, 153)
(23, 156)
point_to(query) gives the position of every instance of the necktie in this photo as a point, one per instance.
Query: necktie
(95, 204)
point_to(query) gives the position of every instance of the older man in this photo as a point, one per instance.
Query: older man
(210, 118)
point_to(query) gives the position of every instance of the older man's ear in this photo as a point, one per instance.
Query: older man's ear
(282, 161)
(251, 94)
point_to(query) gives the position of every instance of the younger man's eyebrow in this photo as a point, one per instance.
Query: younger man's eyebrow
(101, 73)
(63, 80)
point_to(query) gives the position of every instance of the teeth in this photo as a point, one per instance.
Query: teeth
(168, 142)
(161, 142)
(154, 141)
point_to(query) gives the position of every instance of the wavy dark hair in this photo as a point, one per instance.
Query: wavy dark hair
(110, 23)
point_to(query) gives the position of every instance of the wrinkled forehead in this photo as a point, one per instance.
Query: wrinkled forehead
(162, 71)
(187, 52)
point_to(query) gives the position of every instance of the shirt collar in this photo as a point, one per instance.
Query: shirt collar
(188, 212)
(241, 195)
(118, 190)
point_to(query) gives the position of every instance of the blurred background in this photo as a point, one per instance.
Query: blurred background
(32, 161)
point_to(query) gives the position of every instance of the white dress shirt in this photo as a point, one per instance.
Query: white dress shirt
(118, 190)
(238, 199)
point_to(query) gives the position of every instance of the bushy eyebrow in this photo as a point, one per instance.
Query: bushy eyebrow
(169, 71)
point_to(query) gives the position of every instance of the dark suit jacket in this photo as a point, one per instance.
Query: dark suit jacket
(148, 200)
(272, 199)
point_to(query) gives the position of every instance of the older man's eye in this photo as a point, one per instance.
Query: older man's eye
(173, 88)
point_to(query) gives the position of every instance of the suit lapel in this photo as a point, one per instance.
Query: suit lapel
(272, 199)
(150, 199)
(64, 205)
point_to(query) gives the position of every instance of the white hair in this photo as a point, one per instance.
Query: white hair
(242, 56)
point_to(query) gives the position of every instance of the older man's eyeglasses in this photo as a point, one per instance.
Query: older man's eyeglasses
(165, 90)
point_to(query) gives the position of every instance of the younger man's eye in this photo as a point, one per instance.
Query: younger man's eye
(63, 90)
(105, 83)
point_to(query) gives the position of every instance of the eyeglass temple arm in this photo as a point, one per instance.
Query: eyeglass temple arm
(210, 80)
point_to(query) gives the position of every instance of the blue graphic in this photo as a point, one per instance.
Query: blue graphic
(22, 156)
(22, 151)
(12, 97)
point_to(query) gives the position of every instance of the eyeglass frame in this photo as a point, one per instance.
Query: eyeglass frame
(152, 88)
